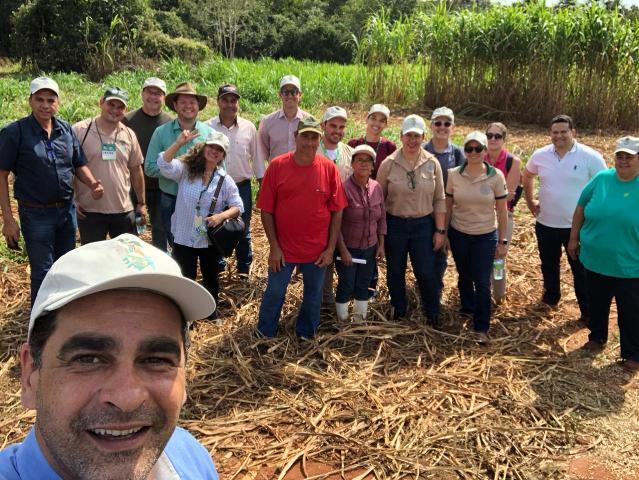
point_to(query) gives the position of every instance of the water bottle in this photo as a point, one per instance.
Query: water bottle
(498, 269)
(139, 226)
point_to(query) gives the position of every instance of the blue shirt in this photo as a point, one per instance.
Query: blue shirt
(163, 137)
(451, 157)
(186, 458)
(43, 166)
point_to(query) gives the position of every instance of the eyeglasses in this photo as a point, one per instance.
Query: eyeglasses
(496, 136)
(411, 180)
(439, 123)
(289, 93)
(477, 149)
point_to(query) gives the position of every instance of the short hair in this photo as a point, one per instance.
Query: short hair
(563, 119)
(502, 128)
(45, 325)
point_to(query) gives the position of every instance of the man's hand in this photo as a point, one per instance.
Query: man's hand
(501, 250)
(573, 248)
(186, 136)
(379, 254)
(97, 190)
(140, 209)
(534, 208)
(439, 240)
(346, 258)
(325, 258)
(275, 259)
(11, 232)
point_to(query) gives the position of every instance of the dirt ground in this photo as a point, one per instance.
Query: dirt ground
(541, 409)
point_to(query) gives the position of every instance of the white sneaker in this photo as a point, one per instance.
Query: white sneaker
(342, 311)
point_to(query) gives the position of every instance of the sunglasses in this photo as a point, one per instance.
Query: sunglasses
(411, 180)
(289, 93)
(496, 136)
(439, 123)
(477, 149)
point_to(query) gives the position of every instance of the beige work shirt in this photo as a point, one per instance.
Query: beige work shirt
(341, 157)
(276, 134)
(241, 162)
(474, 199)
(114, 174)
(412, 192)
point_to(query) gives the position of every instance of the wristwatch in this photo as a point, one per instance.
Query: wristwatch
(441, 231)
(504, 242)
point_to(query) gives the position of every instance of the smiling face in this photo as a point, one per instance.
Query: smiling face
(362, 165)
(333, 131)
(112, 110)
(229, 105)
(495, 144)
(290, 96)
(213, 154)
(152, 99)
(441, 128)
(412, 142)
(627, 165)
(186, 107)
(474, 152)
(375, 124)
(110, 386)
(562, 135)
(44, 105)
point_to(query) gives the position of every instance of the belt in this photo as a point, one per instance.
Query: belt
(243, 182)
(43, 205)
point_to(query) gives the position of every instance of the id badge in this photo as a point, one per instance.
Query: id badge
(199, 225)
(108, 152)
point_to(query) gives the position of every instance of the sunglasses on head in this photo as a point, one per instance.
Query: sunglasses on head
(496, 136)
(477, 149)
(439, 123)
(290, 93)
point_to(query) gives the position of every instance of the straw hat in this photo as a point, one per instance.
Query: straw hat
(185, 88)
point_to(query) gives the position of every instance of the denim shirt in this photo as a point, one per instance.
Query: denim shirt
(44, 167)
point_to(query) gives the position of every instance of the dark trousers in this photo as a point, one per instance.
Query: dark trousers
(96, 226)
(48, 234)
(601, 290)
(474, 256)
(411, 237)
(153, 207)
(550, 241)
(353, 281)
(167, 207)
(187, 258)
(244, 251)
(441, 263)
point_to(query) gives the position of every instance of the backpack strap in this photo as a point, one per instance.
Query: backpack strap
(509, 162)
(216, 194)
(86, 133)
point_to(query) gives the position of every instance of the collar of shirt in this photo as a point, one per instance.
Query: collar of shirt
(176, 127)
(424, 157)
(299, 115)
(490, 171)
(215, 121)
(31, 462)
(573, 149)
(37, 128)
(448, 149)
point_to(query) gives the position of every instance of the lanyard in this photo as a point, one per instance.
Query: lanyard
(198, 206)
(115, 140)
(326, 152)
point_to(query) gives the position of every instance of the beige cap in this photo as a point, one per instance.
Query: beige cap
(155, 82)
(379, 108)
(43, 83)
(413, 123)
(334, 112)
(218, 138)
(443, 112)
(628, 144)
(367, 149)
(477, 136)
(291, 80)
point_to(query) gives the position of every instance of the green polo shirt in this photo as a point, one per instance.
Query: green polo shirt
(163, 137)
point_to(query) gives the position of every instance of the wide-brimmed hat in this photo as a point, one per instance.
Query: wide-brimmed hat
(185, 88)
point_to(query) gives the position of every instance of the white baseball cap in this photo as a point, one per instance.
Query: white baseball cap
(155, 82)
(443, 112)
(218, 138)
(43, 83)
(334, 112)
(628, 144)
(379, 108)
(477, 136)
(367, 149)
(121, 262)
(413, 123)
(291, 80)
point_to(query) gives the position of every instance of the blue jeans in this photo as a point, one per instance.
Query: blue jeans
(414, 237)
(441, 263)
(309, 317)
(474, 256)
(354, 281)
(48, 234)
(243, 251)
(167, 207)
(154, 209)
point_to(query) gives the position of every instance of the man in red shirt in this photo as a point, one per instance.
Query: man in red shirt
(301, 202)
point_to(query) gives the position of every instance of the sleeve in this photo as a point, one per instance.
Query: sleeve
(382, 175)
(263, 142)
(259, 166)
(531, 165)
(79, 159)
(266, 199)
(231, 195)
(337, 201)
(135, 158)
(597, 164)
(500, 188)
(353, 142)
(151, 168)
(381, 223)
(439, 197)
(588, 190)
(9, 140)
(173, 170)
(391, 147)
(450, 190)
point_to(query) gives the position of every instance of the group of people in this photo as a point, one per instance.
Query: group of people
(108, 336)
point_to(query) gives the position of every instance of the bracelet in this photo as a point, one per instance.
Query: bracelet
(441, 231)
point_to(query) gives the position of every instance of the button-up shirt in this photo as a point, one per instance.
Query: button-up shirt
(182, 458)
(451, 157)
(383, 148)
(276, 134)
(365, 216)
(194, 199)
(163, 137)
(241, 161)
(43, 166)
(412, 192)
(342, 156)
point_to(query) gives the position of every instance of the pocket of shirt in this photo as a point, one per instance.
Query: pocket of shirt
(321, 200)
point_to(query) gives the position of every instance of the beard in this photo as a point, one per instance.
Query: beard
(77, 457)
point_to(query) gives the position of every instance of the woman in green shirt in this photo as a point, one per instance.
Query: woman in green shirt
(605, 236)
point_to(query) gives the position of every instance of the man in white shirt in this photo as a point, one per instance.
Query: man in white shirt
(241, 162)
(564, 168)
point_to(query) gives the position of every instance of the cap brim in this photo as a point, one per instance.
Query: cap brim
(335, 116)
(215, 142)
(45, 88)
(627, 150)
(229, 93)
(310, 129)
(192, 299)
(106, 99)
(414, 130)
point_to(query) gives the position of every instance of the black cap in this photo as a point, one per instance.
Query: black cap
(228, 88)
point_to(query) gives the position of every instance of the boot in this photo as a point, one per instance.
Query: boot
(361, 308)
(342, 311)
